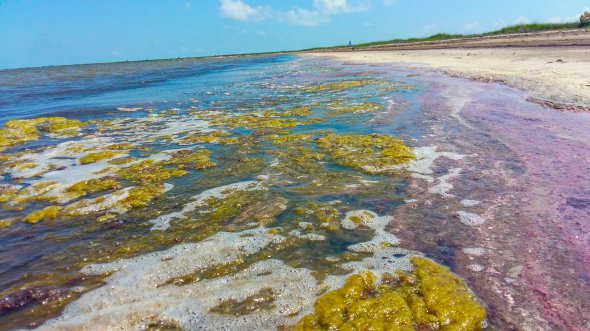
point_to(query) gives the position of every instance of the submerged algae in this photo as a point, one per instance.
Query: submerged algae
(431, 297)
(365, 152)
(340, 86)
(357, 108)
(98, 156)
(47, 213)
(17, 132)
(85, 187)
(148, 171)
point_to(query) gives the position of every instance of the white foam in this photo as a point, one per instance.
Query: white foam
(470, 218)
(444, 185)
(368, 219)
(469, 203)
(307, 236)
(477, 251)
(137, 291)
(475, 267)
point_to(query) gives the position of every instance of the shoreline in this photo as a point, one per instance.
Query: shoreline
(554, 77)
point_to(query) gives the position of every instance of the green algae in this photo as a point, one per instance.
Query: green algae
(322, 215)
(244, 166)
(141, 196)
(360, 108)
(90, 186)
(296, 160)
(122, 160)
(6, 223)
(431, 297)
(214, 137)
(47, 213)
(242, 207)
(190, 159)
(97, 156)
(17, 132)
(149, 171)
(372, 153)
(340, 86)
(290, 139)
(120, 146)
(261, 300)
(295, 111)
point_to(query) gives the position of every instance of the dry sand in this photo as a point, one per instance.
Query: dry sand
(554, 76)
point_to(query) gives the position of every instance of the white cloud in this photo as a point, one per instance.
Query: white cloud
(332, 7)
(238, 10)
(299, 16)
(389, 2)
(320, 14)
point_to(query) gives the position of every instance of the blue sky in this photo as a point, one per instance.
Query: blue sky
(42, 32)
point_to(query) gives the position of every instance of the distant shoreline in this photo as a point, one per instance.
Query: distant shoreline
(552, 66)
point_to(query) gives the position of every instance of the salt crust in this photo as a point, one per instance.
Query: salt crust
(470, 218)
(162, 222)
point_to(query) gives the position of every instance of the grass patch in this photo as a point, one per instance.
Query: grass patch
(520, 28)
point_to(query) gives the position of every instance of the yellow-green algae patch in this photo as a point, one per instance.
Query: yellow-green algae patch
(47, 213)
(187, 159)
(17, 132)
(6, 223)
(295, 111)
(259, 122)
(429, 298)
(214, 137)
(149, 171)
(367, 152)
(291, 138)
(359, 108)
(141, 196)
(97, 156)
(85, 187)
(321, 214)
(339, 86)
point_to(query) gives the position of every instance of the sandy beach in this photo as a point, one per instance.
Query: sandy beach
(552, 69)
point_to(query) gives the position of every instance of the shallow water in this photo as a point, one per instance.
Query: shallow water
(268, 206)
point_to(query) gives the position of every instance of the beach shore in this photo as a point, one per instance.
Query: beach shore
(555, 76)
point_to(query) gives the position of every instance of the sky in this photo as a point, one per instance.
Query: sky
(41, 32)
